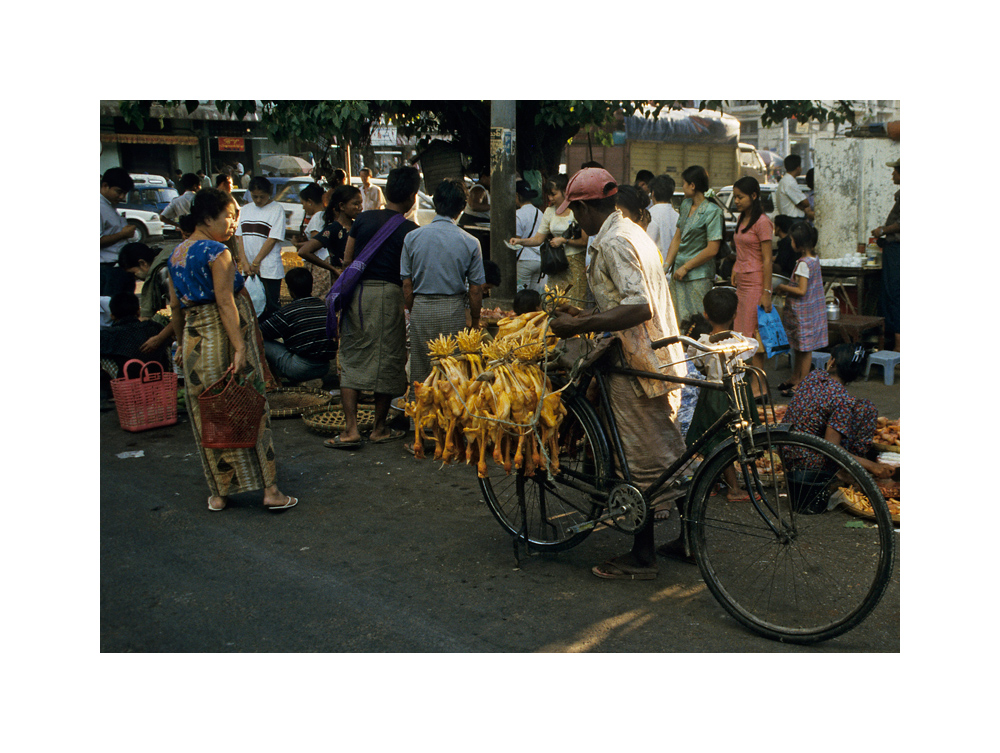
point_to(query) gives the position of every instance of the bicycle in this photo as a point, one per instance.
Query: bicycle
(791, 564)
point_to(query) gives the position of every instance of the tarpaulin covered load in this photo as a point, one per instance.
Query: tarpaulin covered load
(685, 126)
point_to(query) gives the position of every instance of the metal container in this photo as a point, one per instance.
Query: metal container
(832, 311)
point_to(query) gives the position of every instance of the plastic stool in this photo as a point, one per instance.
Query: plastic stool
(888, 360)
(819, 359)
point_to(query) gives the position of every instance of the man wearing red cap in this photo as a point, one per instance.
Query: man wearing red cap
(633, 300)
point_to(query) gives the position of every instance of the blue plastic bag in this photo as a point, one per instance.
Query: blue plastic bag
(772, 332)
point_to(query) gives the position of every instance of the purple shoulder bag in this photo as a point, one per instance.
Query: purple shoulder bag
(344, 285)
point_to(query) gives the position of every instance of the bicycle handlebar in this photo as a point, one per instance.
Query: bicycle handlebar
(732, 348)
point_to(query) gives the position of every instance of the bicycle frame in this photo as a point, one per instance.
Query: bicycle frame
(733, 417)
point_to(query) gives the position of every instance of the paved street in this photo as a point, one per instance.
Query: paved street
(384, 553)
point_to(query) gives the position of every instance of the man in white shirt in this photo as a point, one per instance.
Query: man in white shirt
(789, 198)
(371, 195)
(663, 216)
(190, 184)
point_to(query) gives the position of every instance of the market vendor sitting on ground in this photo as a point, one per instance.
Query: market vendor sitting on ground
(150, 266)
(305, 352)
(633, 300)
(127, 335)
(439, 265)
(822, 406)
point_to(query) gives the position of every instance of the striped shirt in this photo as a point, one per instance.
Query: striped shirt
(257, 224)
(301, 325)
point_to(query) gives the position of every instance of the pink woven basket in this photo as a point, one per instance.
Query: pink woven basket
(146, 401)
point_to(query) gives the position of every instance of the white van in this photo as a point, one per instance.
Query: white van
(145, 179)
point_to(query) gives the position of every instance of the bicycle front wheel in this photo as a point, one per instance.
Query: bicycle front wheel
(545, 511)
(792, 563)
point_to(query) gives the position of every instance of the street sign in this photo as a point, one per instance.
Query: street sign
(384, 135)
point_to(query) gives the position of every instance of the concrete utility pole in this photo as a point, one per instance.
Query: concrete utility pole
(503, 166)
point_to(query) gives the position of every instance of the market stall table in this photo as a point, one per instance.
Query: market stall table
(835, 274)
(852, 328)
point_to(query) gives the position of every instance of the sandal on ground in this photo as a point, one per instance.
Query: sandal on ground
(338, 444)
(291, 502)
(790, 392)
(217, 509)
(674, 550)
(394, 434)
(741, 496)
(617, 569)
(784, 386)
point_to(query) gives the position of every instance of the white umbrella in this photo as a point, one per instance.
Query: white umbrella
(287, 163)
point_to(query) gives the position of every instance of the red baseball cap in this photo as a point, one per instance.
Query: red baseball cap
(589, 183)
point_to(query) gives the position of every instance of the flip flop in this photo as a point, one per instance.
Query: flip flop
(674, 550)
(337, 444)
(784, 386)
(394, 434)
(615, 569)
(742, 497)
(790, 392)
(292, 501)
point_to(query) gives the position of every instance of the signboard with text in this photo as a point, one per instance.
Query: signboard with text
(230, 144)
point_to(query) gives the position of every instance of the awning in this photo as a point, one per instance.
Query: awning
(148, 138)
(206, 111)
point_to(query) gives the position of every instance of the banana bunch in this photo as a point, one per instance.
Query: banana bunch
(491, 398)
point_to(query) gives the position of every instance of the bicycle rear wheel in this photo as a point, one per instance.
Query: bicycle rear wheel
(552, 507)
(802, 568)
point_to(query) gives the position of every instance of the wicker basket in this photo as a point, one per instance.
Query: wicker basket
(147, 401)
(230, 413)
(288, 402)
(331, 420)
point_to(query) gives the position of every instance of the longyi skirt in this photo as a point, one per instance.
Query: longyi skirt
(207, 355)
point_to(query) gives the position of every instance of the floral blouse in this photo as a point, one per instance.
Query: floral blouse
(191, 274)
(821, 401)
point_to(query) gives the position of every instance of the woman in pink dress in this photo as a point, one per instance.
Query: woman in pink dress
(751, 274)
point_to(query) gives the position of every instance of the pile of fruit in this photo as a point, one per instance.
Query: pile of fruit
(859, 502)
(494, 314)
(491, 398)
(886, 432)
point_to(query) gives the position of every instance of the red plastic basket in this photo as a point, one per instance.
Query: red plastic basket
(230, 413)
(148, 400)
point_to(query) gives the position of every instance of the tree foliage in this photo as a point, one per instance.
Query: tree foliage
(544, 127)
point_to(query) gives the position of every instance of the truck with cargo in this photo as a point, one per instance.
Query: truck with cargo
(668, 144)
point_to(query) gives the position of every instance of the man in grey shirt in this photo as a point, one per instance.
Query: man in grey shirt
(439, 263)
(115, 232)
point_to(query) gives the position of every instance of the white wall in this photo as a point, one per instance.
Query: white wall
(854, 191)
(109, 157)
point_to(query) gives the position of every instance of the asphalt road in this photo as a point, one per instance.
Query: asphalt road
(384, 553)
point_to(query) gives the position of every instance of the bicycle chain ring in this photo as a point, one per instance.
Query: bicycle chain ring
(628, 508)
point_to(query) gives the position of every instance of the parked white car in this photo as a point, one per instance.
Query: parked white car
(147, 224)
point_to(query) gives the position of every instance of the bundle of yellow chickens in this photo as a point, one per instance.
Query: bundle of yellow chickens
(491, 398)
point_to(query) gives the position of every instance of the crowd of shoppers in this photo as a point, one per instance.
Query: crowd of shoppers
(645, 265)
